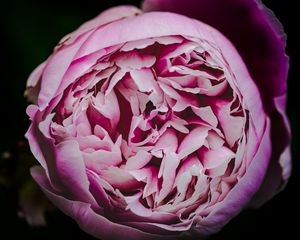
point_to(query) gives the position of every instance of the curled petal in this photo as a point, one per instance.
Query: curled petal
(193, 141)
(71, 170)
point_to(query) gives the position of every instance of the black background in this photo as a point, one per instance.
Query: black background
(29, 31)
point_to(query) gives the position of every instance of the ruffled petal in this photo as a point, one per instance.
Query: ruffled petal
(261, 43)
(91, 222)
(240, 195)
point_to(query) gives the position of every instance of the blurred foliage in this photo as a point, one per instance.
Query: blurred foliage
(23, 193)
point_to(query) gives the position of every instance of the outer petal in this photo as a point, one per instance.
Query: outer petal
(285, 155)
(63, 163)
(71, 170)
(33, 83)
(110, 15)
(279, 170)
(87, 218)
(259, 38)
(41, 147)
(56, 66)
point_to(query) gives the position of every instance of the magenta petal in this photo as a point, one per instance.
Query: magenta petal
(98, 191)
(279, 170)
(260, 39)
(87, 218)
(285, 158)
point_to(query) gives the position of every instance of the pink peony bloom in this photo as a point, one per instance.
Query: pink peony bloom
(153, 126)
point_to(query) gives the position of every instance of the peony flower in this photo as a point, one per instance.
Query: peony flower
(155, 125)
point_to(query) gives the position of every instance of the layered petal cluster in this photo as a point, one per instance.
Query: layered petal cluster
(149, 125)
(259, 38)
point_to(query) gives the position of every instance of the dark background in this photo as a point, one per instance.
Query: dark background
(29, 31)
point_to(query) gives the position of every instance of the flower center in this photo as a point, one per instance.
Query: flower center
(161, 122)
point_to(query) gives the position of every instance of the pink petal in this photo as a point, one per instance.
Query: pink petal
(167, 142)
(215, 161)
(183, 226)
(193, 141)
(168, 173)
(139, 160)
(190, 167)
(206, 114)
(213, 158)
(41, 147)
(101, 159)
(144, 79)
(232, 126)
(54, 71)
(119, 178)
(114, 80)
(35, 76)
(110, 15)
(193, 90)
(143, 43)
(136, 207)
(91, 141)
(108, 106)
(214, 140)
(134, 60)
(33, 83)
(71, 170)
(149, 176)
(97, 190)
